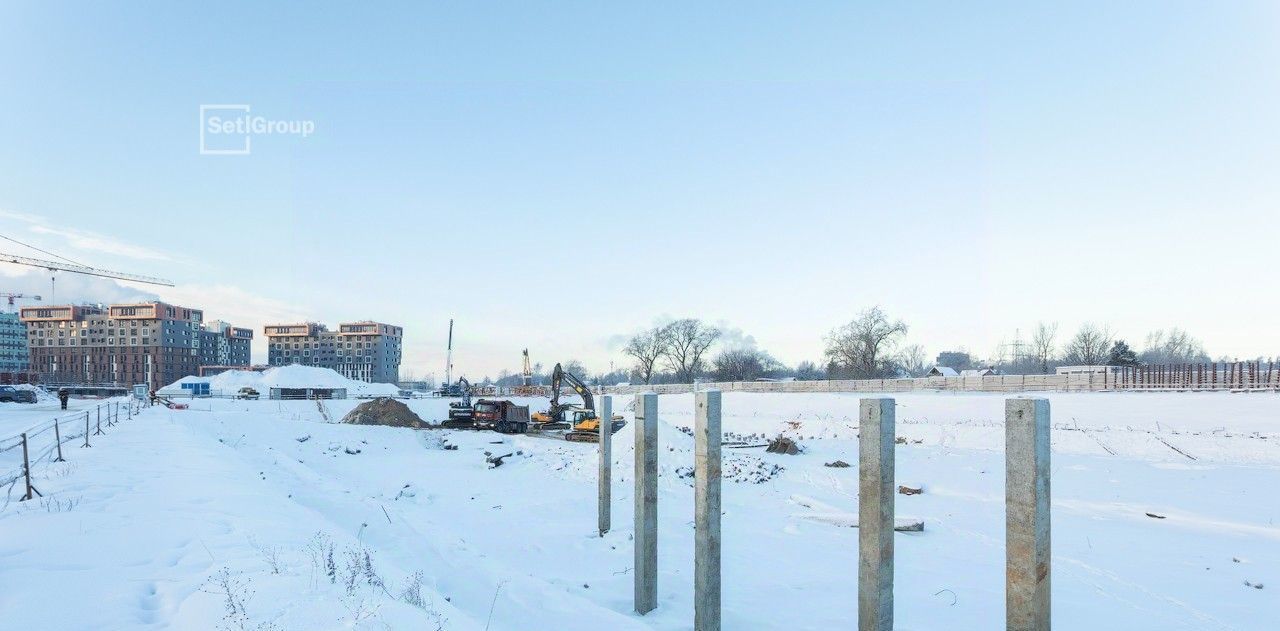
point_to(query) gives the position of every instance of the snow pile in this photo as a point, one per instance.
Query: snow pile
(42, 395)
(293, 376)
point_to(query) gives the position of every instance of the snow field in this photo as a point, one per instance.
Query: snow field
(163, 503)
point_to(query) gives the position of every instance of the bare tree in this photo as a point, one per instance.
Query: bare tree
(647, 347)
(860, 347)
(740, 364)
(1043, 345)
(912, 359)
(686, 341)
(1173, 347)
(576, 368)
(1091, 346)
(808, 371)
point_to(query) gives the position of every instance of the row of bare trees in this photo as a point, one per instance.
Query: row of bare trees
(872, 345)
(679, 346)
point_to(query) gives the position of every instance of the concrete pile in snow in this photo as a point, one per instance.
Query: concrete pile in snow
(384, 411)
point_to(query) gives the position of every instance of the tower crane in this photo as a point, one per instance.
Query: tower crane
(526, 373)
(12, 297)
(56, 266)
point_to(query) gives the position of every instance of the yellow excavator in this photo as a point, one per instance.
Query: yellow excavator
(581, 421)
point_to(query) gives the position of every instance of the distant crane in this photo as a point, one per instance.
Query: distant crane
(527, 372)
(55, 266)
(13, 297)
(448, 361)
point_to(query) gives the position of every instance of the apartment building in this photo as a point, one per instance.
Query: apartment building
(224, 345)
(14, 357)
(151, 343)
(366, 350)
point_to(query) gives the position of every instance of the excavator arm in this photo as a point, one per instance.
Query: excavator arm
(466, 390)
(560, 375)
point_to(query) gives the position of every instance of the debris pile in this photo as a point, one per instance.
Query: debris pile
(384, 411)
(783, 445)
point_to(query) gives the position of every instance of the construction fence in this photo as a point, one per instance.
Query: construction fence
(1224, 376)
(53, 441)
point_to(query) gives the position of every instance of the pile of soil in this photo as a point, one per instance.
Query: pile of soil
(385, 411)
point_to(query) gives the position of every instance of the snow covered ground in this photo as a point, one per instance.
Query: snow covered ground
(136, 531)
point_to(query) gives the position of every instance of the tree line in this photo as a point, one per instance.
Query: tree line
(872, 345)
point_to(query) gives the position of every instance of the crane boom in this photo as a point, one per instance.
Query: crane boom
(82, 269)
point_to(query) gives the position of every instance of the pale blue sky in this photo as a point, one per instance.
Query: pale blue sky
(553, 175)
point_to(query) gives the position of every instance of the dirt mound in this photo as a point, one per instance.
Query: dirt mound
(386, 411)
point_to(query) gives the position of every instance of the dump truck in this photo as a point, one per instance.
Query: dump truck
(500, 416)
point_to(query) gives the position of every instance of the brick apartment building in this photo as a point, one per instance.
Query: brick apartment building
(150, 343)
(368, 351)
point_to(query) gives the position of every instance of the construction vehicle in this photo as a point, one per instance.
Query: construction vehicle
(249, 393)
(581, 421)
(461, 414)
(167, 402)
(501, 416)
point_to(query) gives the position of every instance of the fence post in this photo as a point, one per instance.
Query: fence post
(646, 499)
(875, 514)
(57, 437)
(26, 472)
(86, 430)
(1027, 562)
(605, 475)
(98, 423)
(706, 511)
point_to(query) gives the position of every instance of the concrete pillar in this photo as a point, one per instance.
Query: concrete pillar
(706, 511)
(1026, 498)
(605, 476)
(875, 514)
(646, 513)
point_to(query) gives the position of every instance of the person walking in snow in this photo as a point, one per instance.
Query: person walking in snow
(63, 395)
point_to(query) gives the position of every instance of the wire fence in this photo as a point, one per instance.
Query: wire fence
(51, 441)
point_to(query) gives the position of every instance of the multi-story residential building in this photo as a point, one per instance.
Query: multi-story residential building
(368, 351)
(13, 344)
(224, 345)
(151, 343)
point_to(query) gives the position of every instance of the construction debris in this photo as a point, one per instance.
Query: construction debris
(783, 445)
(906, 490)
(496, 461)
(828, 514)
(384, 411)
(839, 464)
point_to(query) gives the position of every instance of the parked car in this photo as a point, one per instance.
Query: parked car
(248, 393)
(11, 394)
